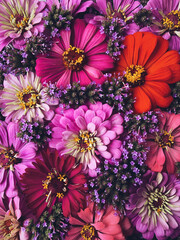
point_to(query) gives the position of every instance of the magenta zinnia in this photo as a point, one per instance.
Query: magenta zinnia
(154, 207)
(87, 133)
(92, 224)
(19, 20)
(78, 55)
(15, 156)
(165, 145)
(55, 179)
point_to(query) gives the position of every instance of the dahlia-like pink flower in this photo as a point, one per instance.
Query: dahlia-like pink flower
(54, 179)
(165, 146)
(15, 156)
(87, 133)
(154, 208)
(74, 6)
(166, 21)
(20, 19)
(11, 224)
(78, 55)
(95, 224)
(24, 96)
(124, 9)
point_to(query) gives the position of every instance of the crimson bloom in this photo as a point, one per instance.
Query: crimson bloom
(78, 55)
(165, 145)
(55, 179)
(148, 67)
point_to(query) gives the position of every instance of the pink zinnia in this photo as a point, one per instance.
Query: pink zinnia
(19, 20)
(165, 145)
(55, 179)
(11, 219)
(15, 156)
(93, 224)
(78, 55)
(87, 133)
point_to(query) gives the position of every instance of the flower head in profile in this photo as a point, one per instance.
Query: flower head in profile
(11, 224)
(149, 68)
(20, 19)
(93, 224)
(77, 56)
(165, 146)
(23, 96)
(166, 21)
(15, 156)
(87, 133)
(154, 207)
(54, 179)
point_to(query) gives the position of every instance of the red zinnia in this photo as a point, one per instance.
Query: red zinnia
(54, 179)
(148, 67)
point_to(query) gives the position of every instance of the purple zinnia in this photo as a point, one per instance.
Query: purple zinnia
(124, 9)
(87, 133)
(154, 208)
(15, 156)
(166, 21)
(20, 19)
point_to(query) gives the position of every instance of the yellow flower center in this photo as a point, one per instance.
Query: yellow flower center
(135, 75)
(119, 13)
(172, 21)
(28, 97)
(73, 58)
(19, 21)
(88, 232)
(7, 158)
(85, 141)
(9, 227)
(165, 139)
(55, 185)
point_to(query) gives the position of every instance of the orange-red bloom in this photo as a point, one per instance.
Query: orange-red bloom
(149, 67)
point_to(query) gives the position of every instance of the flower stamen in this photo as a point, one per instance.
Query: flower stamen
(165, 139)
(172, 21)
(88, 232)
(135, 75)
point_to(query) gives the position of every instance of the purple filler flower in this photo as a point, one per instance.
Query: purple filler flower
(88, 132)
(167, 21)
(154, 208)
(15, 156)
(20, 19)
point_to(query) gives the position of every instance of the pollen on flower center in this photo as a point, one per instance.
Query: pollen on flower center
(135, 75)
(88, 232)
(19, 21)
(28, 98)
(8, 158)
(172, 21)
(73, 58)
(165, 139)
(9, 227)
(55, 185)
(85, 141)
(119, 13)
(158, 202)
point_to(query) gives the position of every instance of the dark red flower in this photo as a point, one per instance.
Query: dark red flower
(55, 179)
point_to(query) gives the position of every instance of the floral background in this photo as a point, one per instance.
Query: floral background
(89, 119)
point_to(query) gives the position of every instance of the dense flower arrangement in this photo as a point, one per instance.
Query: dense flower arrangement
(89, 119)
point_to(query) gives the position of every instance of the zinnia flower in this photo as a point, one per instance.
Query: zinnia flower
(93, 224)
(24, 96)
(148, 67)
(154, 207)
(118, 9)
(78, 55)
(166, 21)
(11, 224)
(20, 19)
(165, 146)
(86, 133)
(15, 156)
(74, 6)
(55, 179)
